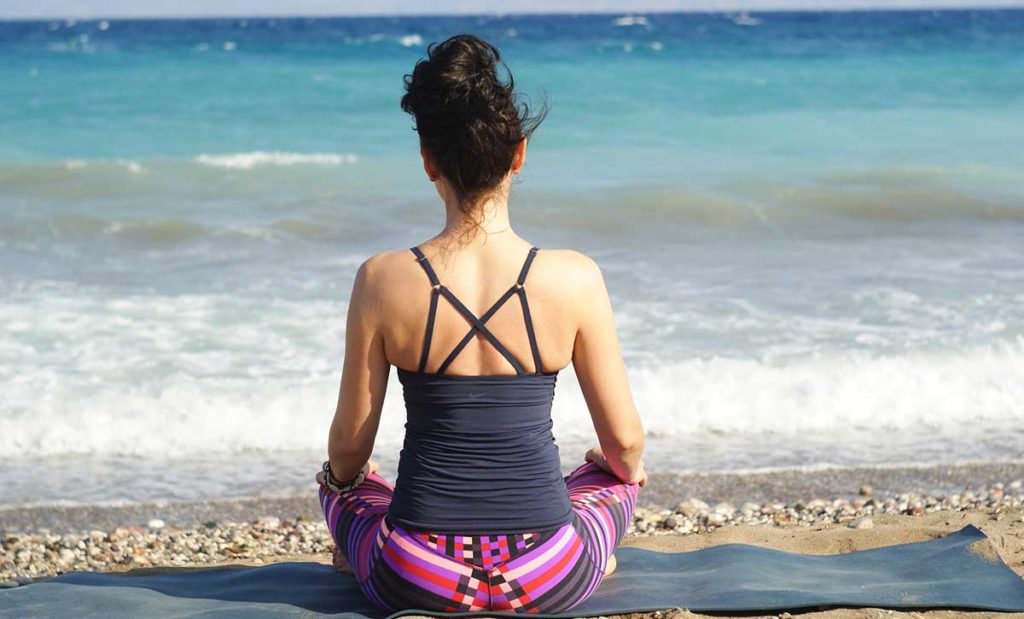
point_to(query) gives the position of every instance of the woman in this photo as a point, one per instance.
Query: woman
(480, 517)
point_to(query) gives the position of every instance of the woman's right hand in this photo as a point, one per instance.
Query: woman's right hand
(596, 455)
(370, 467)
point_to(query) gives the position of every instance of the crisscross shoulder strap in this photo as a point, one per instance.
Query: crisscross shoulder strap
(477, 324)
(436, 284)
(527, 318)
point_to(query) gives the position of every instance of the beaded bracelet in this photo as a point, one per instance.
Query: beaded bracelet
(339, 486)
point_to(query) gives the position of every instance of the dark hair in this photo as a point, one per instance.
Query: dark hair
(468, 118)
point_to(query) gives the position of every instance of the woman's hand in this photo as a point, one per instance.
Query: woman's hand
(369, 467)
(640, 478)
(596, 456)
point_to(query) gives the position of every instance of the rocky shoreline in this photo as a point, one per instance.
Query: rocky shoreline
(665, 489)
(27, 556)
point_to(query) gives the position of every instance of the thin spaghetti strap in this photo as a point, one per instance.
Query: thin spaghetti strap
(526, 266)
(434, 294)
(527, 318)
(426, 266)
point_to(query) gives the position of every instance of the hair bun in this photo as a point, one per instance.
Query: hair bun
(468, 118)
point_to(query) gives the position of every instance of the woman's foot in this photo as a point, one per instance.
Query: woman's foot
(341, 564)
(611, 566)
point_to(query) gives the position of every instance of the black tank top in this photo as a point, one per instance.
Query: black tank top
(479, 456)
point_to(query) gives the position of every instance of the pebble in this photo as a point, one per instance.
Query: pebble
(724, 508)
(717, 518)
(692, 507)
(268, 523)
(696, 516)
(156, 524)
(862, 523)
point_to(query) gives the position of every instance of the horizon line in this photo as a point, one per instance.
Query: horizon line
(782, 7)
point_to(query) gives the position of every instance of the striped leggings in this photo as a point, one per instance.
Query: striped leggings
(546, 571)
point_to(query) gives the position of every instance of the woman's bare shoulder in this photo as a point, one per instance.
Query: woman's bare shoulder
(569, 270)
(386, 265)
(388, 275)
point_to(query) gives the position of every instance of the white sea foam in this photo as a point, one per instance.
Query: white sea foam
(80, 164)
(411, 40)
(744, 19)
(630, 20)
(132, 166)
(192, 375)
(133, 382)
(250, 160)
(835, 393)
(196, 410)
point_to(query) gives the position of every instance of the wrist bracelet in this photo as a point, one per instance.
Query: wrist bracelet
(340, 486)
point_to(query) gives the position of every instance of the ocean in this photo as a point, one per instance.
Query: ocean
(811, 226)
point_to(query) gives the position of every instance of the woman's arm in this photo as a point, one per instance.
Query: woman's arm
(601, 371)
(364, 379)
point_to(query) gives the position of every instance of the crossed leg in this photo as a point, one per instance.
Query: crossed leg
(602, 511)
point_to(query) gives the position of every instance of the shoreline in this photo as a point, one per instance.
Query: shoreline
(663, 490)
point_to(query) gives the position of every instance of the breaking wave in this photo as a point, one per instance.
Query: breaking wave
(250, 160)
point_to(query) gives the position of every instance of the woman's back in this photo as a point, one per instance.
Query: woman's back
(479, 455)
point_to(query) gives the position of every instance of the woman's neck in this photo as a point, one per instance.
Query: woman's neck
(487, 218)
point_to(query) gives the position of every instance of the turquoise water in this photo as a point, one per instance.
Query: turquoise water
(811, 224)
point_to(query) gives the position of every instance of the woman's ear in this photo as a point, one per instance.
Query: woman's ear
(428, 164)
(519, 158)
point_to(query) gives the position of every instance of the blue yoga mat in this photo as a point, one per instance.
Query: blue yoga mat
(960, 570)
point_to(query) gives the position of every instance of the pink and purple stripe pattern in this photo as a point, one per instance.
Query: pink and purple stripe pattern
(543, 571)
